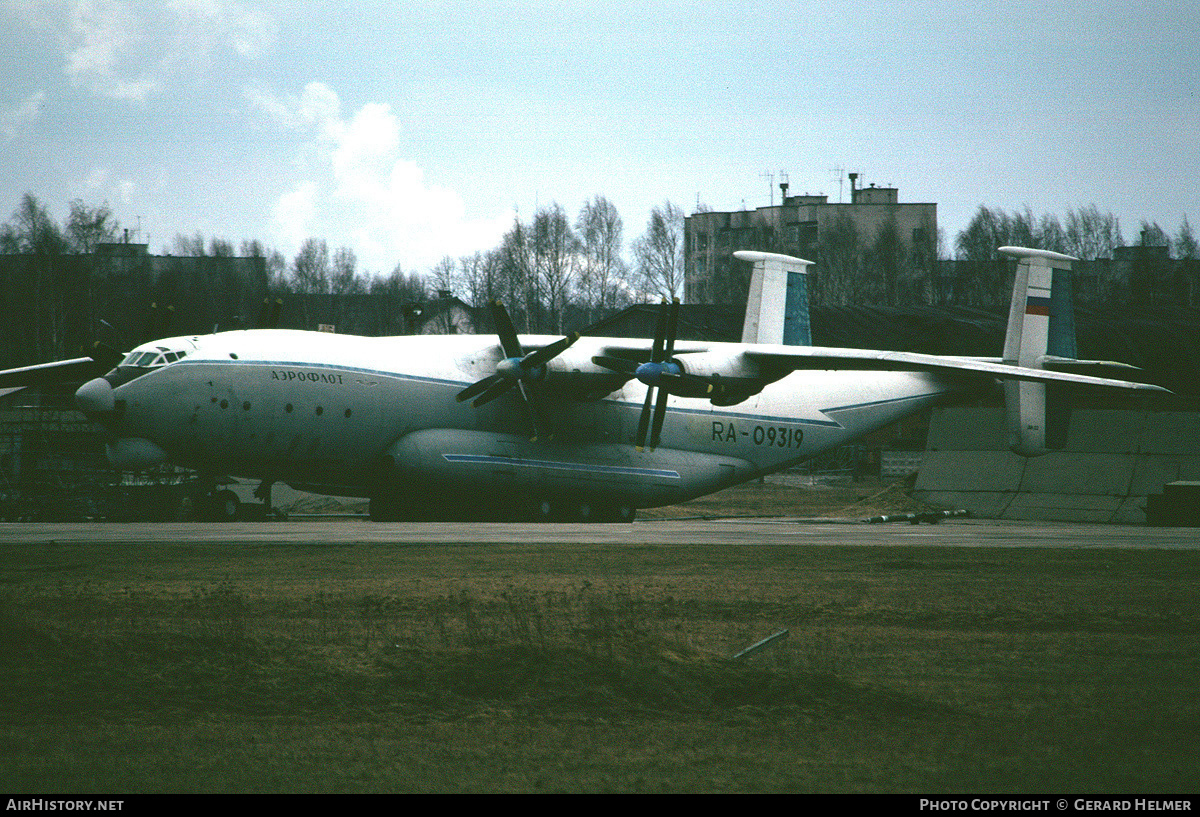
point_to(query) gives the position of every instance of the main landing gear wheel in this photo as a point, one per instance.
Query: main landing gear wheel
(226, 506)
(582, 510)
(385, 508)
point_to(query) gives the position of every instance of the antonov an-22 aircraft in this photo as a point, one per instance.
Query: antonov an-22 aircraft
(574, 428)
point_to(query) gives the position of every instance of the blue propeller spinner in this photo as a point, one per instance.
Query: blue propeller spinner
(516, 369)
(663, 373)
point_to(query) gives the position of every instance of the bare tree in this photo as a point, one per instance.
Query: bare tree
(444, 276)
(659, 252)
(1152, 235)
(310, 269)
(185, 246)
(397, 299)
(603, 272)
(1051, 235)
(517, 279)
(478, 276)
(89, 226)
(888, 263)
(220, 247)
(31, 230)
(556, 253)
(1185, 242)
(1091, 234)
(343, 278)
(839, 260)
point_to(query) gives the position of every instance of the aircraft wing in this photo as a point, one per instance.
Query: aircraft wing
(634, 348)
(102, 359)
(80, 368)
(818, 357)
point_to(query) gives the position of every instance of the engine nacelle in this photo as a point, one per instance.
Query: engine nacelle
(714, 364)
(734, 377)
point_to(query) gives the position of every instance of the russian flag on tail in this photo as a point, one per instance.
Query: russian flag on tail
(1037, 306)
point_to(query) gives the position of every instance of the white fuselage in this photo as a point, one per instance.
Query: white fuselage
(321, 410)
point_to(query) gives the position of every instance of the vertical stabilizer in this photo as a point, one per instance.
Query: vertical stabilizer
(1041, 322)
(777, 307)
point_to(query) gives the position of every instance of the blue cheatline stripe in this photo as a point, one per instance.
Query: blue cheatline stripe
(882, 402)
(561, 466)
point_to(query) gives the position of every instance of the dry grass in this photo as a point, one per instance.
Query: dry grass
(374, 667)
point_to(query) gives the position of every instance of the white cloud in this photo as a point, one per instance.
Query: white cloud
(101, 36)
(294, 211)
(13, 119)
(212, 24)
(97, 178)
(125, 192)
(129, 49)
(360, 191)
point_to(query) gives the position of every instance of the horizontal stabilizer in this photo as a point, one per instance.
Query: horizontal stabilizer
(1095, 368)
(817, 357)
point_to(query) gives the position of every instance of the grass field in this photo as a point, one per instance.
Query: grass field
(518, 667)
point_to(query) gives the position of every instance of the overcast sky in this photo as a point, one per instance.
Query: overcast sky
(409, 131)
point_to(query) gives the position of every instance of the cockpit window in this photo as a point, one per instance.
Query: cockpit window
(154, 357)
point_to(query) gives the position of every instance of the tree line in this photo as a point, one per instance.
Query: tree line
(1155, 270)
(552, 272)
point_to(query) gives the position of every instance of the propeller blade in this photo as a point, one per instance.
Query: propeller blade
(517, 369)
(672, 324)
(660, 330)
(537, 417)
(644, 419)
(276, 308)
(478, 386)
(506, 330)
(263, 313)
(617, 364)
(539, 356)
(660, 413)
(493, 391)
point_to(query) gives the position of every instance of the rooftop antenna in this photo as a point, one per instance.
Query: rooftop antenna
(838, 173)
(783, 187)
(770, 177)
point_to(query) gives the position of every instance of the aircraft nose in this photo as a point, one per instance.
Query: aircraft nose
(95, 397)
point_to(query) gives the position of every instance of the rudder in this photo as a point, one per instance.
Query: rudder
(777, 307)
(1041, 323)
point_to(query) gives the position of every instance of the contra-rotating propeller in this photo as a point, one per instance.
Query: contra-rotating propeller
(663, 373)
(516, 369)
